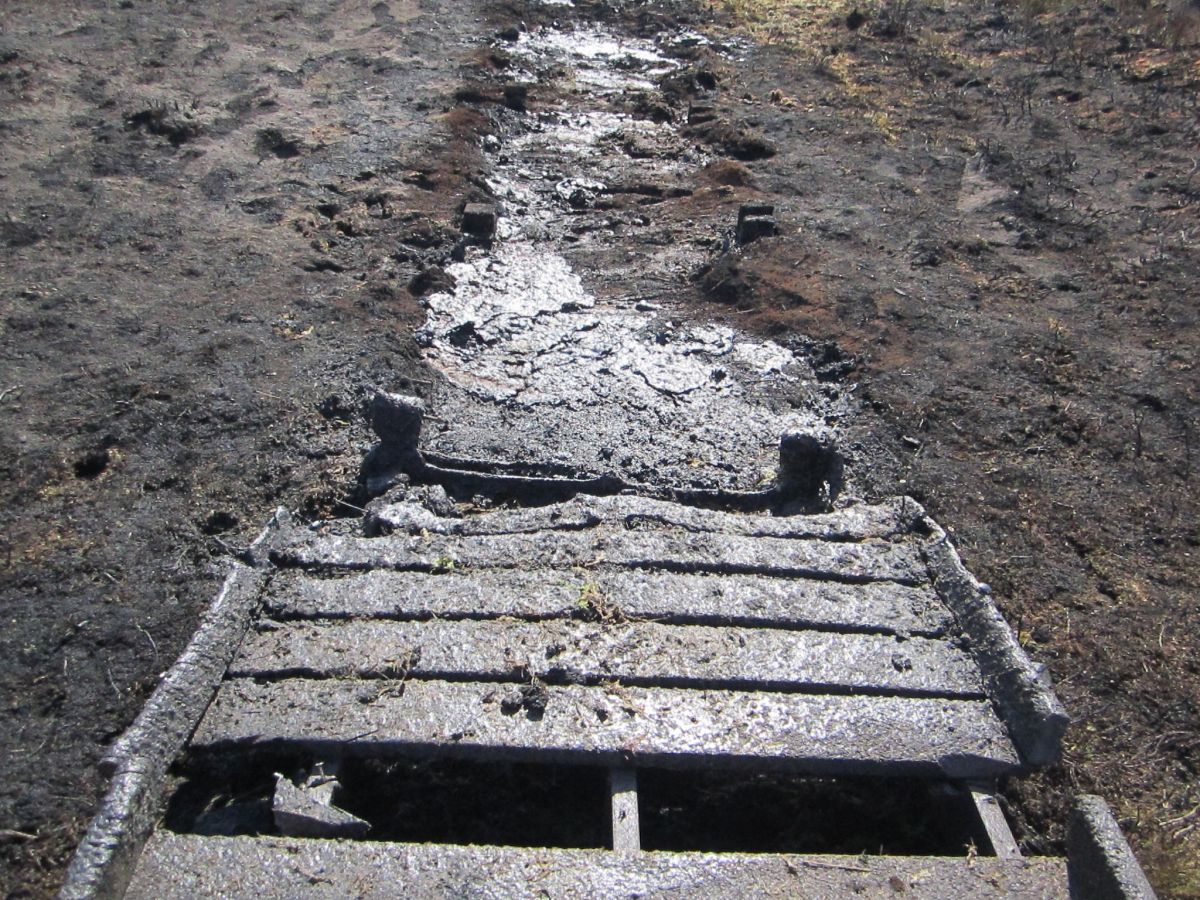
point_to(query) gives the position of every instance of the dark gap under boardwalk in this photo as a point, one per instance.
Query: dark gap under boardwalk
(438, 800)
(450, 801)
(731, 812)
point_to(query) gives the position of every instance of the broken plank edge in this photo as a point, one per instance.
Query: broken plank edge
(949, 766)
(475, 474)
(850, 524)
(137, 763)
(1022, 692)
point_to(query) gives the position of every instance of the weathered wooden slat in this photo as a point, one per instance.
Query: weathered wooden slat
(854, 523)
(714, 599)
(183, 867)
(634, 652)
(611, 725)
(875, 560)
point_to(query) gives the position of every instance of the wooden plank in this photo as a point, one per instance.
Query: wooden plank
(875, 560)
(615, 725)
(881, 607)
(854, 523)
(631, 652)
(187, 867)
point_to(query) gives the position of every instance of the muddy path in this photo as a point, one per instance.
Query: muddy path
(561, 344)
(225, 226)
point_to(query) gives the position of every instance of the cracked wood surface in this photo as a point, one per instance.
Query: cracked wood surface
(854, 523)
(881, 607)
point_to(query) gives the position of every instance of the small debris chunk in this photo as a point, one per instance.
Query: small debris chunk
(307, 810)
(533, 698)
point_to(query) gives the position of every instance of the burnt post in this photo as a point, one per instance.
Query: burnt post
(396, 419)
(810, 467)
(479, 220)
(516, 97)
(756, 220)
(1100, 865)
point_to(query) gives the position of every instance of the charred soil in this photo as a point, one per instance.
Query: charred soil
(989, 231)
(211, 217)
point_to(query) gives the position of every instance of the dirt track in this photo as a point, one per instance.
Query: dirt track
(218, 223)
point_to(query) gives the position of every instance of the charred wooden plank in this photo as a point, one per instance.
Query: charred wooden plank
(186, 866)
(881, 607)
(613, 724)
(631, 652)
(876, 560)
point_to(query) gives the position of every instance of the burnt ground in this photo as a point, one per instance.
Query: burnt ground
(218, 220)
(210, 216)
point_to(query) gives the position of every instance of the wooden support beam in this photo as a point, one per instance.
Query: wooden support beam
(1004, 845)
(626, 833)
